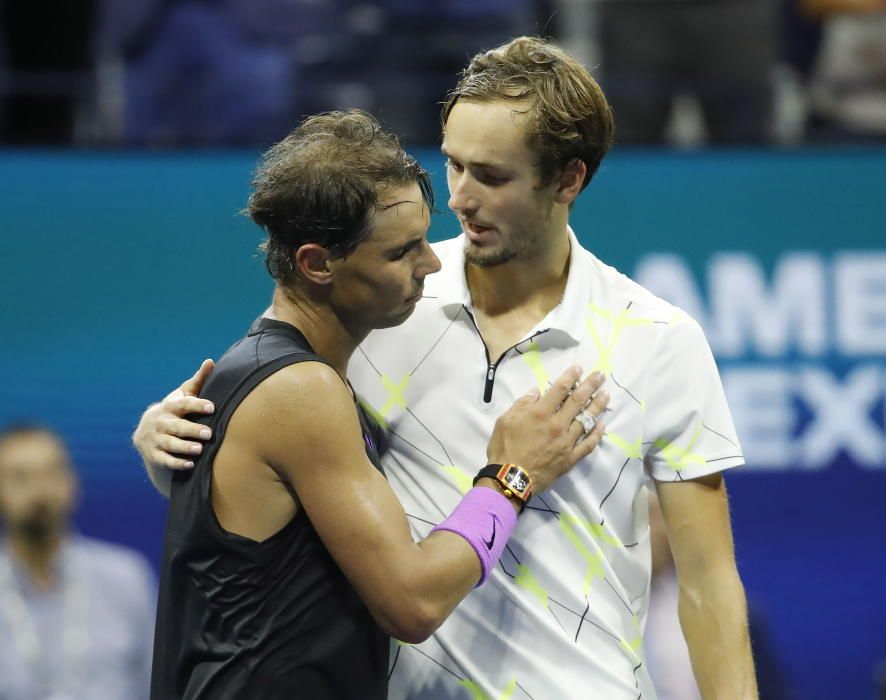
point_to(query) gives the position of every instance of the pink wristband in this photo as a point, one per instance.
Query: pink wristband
(486, 520)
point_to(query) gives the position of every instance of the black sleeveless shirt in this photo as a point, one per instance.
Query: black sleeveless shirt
(238, 619)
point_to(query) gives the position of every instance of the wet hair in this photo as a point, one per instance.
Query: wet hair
(323, 183)
(568, 115)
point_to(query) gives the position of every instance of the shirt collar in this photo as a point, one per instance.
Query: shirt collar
(451, 280)
(569, 316)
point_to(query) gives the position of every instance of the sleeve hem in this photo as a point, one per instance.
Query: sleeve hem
(711, 466)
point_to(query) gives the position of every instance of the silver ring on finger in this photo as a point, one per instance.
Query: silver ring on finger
(588, 421)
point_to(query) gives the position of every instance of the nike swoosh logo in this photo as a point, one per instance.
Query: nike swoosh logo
(491, 540)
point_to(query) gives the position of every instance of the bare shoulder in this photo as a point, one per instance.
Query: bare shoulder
(304, 407)
(303, 387)
(270, 443)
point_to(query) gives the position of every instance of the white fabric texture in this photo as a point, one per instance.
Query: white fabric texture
(562, 614)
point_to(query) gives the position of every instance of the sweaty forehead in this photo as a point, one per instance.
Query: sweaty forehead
(403, 214)
(487, 133)
(393, 197)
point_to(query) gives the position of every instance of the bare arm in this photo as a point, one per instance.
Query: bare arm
(317, 447)
(713, 610)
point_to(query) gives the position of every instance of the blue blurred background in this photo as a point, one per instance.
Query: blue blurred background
(126, 260)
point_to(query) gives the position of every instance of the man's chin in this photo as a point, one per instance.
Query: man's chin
(491, 256)
(396, 319)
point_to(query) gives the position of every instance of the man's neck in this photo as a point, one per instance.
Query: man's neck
(531, 283)
(38, 558)
(328, 336)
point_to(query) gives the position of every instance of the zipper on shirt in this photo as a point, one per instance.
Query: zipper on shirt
(490, 380)
(491, 366)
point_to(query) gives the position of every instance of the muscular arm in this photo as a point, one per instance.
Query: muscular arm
(713, 611)
(307, 430)
(300, 427)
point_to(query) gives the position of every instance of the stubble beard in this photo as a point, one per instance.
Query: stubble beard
(521, 247)
(490, 258)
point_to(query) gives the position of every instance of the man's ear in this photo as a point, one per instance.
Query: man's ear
(312, 262)
(570, 181)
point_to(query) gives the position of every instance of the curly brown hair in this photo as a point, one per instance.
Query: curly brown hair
(568, 115)
(322, 184)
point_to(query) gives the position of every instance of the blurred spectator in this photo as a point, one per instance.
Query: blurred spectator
(49, 68)
(243, 71)
(194, 76)
(801, 37)
(173, 73)
(76, 615)
(847, 88)
(411, 53)
(721, 52)
(665, 648)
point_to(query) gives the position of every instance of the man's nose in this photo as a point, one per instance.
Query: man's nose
(461, 195)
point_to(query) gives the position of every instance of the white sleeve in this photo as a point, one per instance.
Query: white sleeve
(688, 428)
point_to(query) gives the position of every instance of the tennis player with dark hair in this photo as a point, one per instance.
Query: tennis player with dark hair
(288, 559)
(517, 301)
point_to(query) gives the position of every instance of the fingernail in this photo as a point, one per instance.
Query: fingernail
(597, 376)
(206, 433)
(189, 465)
(208, 408)
(196, 449)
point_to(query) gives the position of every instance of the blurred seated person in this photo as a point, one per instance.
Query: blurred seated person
(721, 52)
(408, 76)
(665, 648)
(76, 615)
(193, 77)
(847, 87)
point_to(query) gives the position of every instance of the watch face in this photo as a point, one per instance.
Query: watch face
(517, 480)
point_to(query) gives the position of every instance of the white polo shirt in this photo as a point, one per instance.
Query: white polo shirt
(562, 615)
